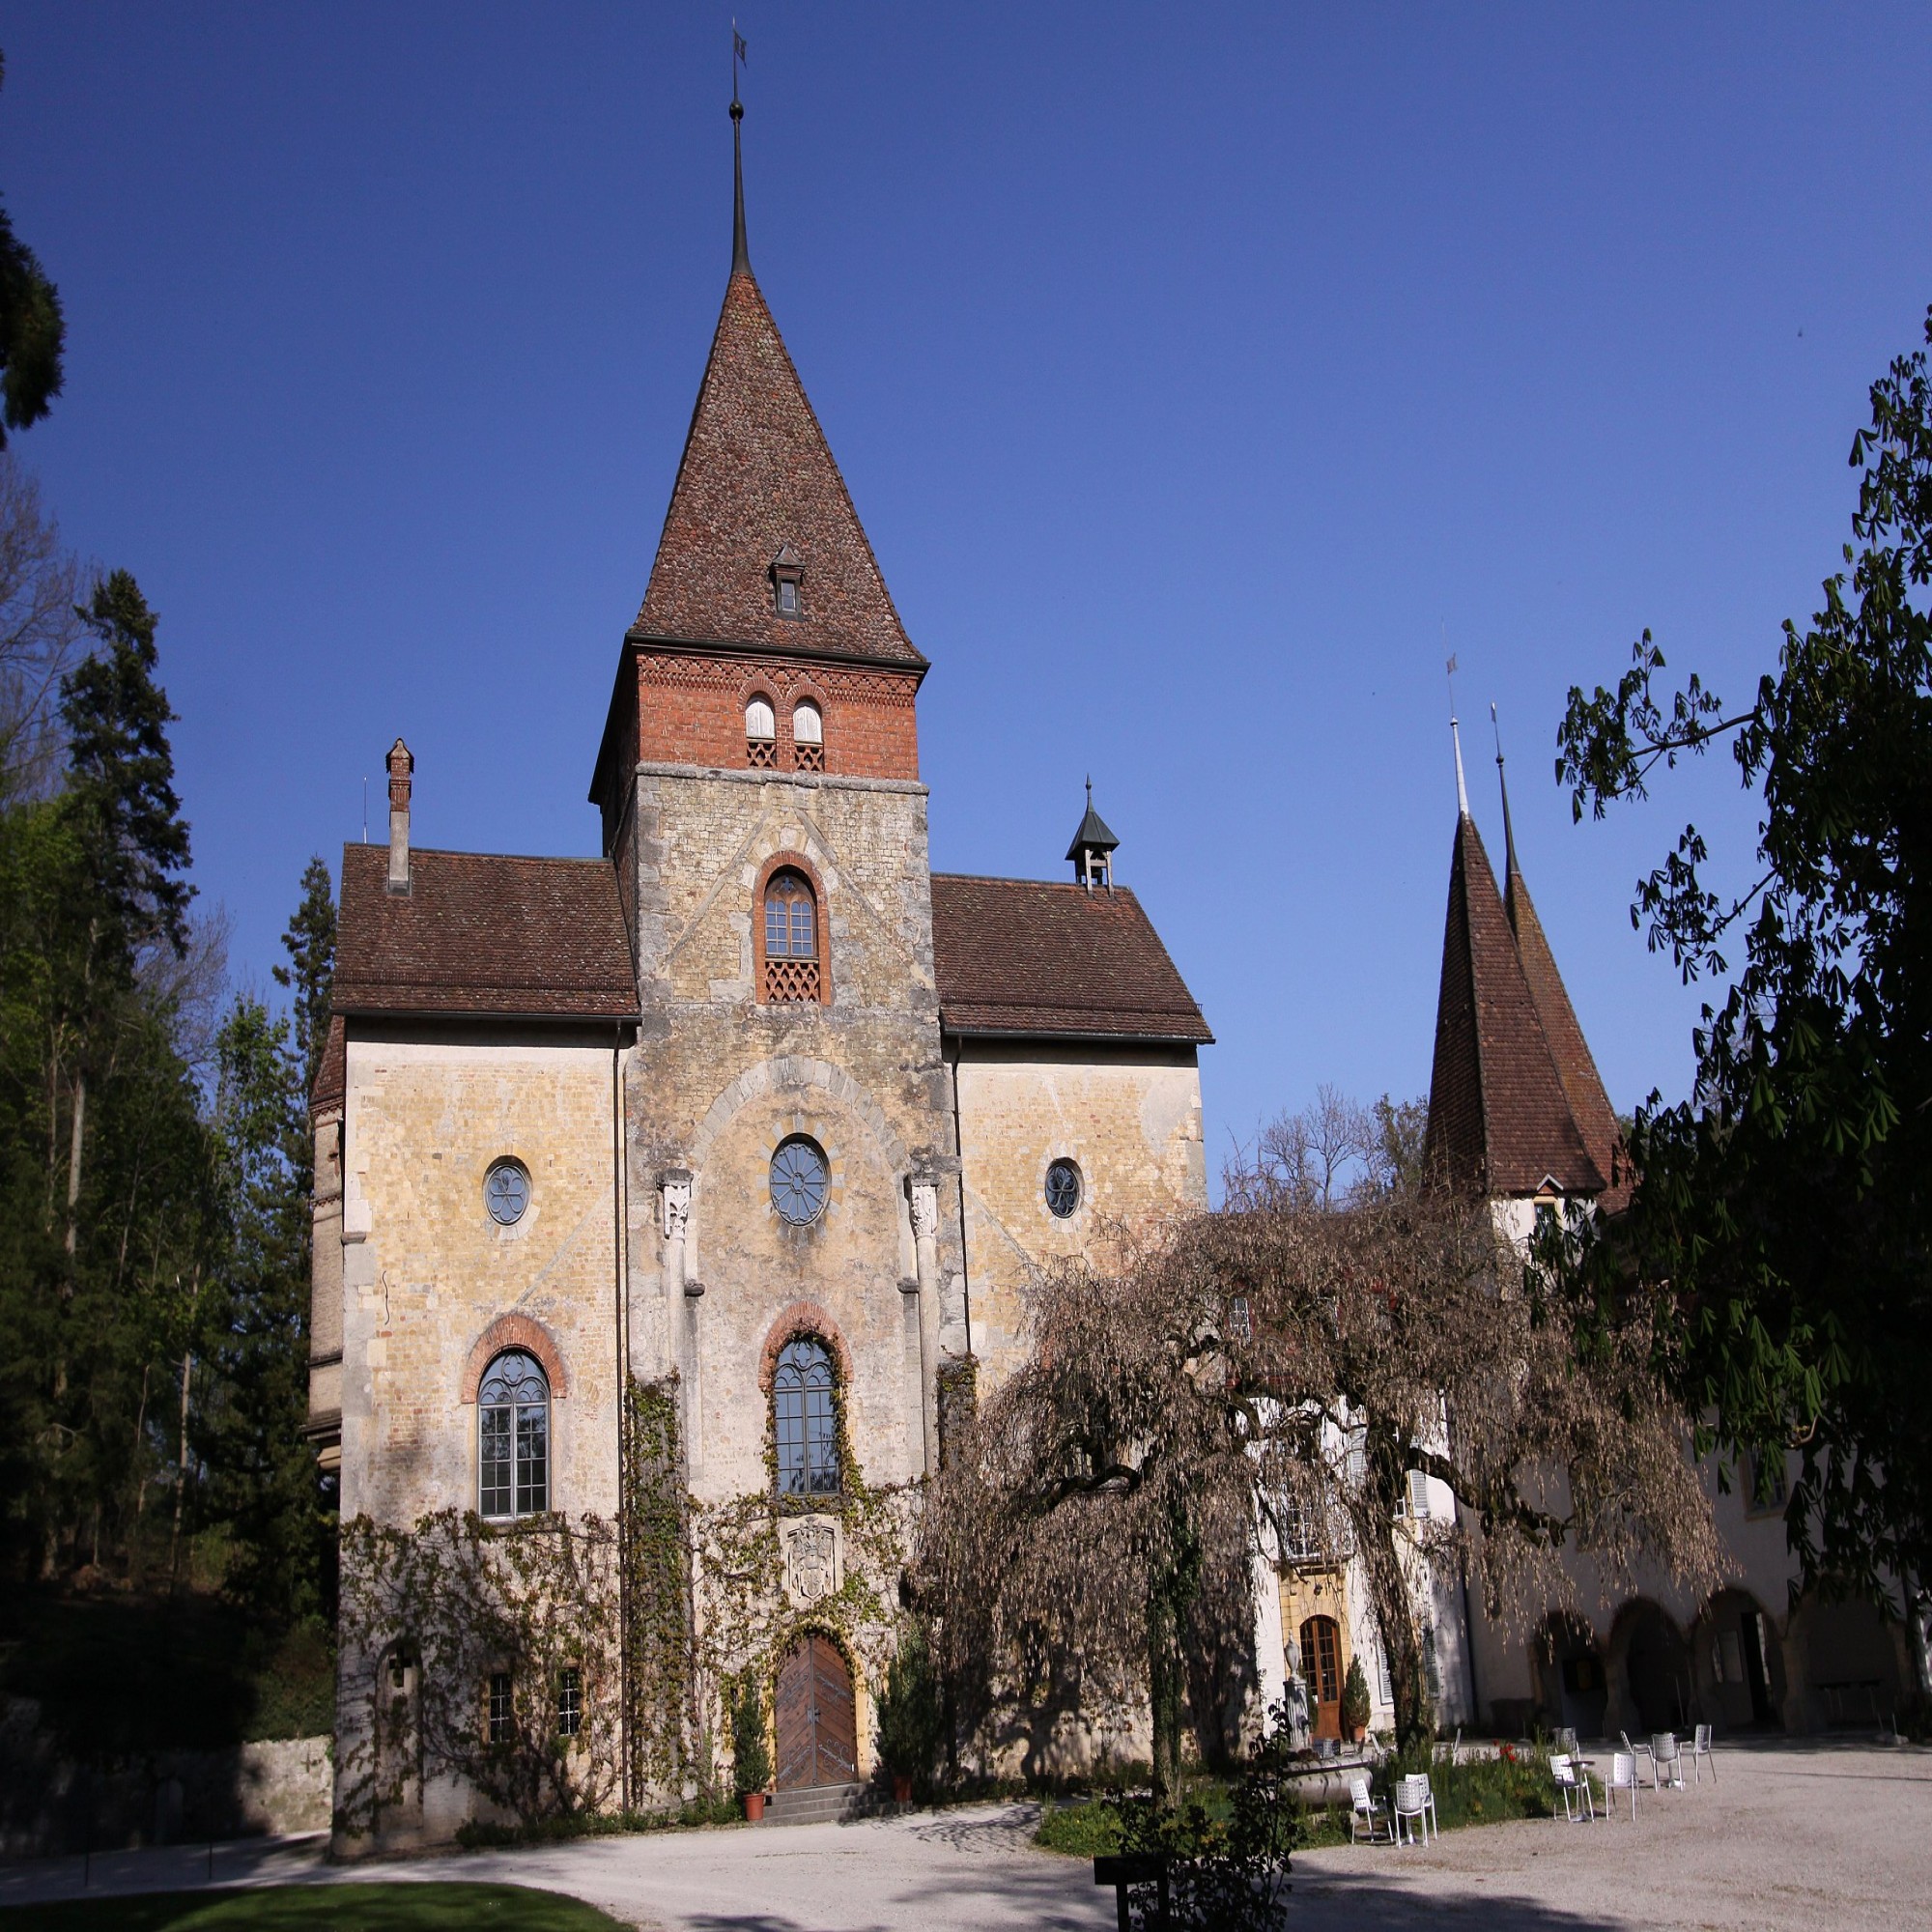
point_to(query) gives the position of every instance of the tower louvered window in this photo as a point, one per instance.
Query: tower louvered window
(791, 939)
(762, 734)
(807, 737)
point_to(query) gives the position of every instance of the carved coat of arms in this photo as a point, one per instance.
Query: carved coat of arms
(812, 1560)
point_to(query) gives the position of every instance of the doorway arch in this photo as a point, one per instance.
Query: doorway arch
(1322, 1671)
(815, 1716)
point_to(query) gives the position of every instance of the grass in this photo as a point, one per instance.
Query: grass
(1486, 1791)
(320, 1908)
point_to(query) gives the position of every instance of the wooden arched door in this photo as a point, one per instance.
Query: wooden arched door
(1322, 1671)
(818, 1725)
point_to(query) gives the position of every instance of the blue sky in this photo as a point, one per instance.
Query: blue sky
(1201, 376)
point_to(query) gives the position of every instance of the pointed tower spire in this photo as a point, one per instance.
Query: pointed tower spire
(1462, 788)
(741, 254)
(1509, 834)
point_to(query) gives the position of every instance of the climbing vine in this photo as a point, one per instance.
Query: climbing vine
(666, 1722)
(429, 1616)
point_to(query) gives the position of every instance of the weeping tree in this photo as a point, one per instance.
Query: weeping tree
(1396, 1333)
(1097, 1516)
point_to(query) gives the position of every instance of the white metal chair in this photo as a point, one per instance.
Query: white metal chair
(1575, 1785)
(1667, 1762)
(1700, 1749)
(1414, 1801)
(1566, 1741)
(1638, 1752)
(1368, 1810)
(1623, 1777)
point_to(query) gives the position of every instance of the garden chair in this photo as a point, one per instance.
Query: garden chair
(1367, 1810)
(1666, 1763)
(1415, 1801)
(1566, 1741)
(1623, 1777)
(1575, 1785)
(1638, 1752)
(1700, 1749)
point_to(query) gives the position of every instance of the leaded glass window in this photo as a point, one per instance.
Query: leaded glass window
(791, 917)
(1062, 1188)
(506, 1192)
(503, 1709)
(806, 1424)
(513, 1424)
(799, 1182)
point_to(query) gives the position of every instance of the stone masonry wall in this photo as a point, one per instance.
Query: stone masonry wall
(1128, 1118)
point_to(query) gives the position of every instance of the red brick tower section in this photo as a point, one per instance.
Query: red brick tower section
(764, 592)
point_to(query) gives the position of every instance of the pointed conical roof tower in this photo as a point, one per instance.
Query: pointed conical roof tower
(1582, 1085)
(1501, 1121)
(759, 503)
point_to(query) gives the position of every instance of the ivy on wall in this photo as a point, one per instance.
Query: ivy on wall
(429, 1616)
(669, 1753)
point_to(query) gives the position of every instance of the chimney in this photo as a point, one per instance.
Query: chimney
(402, 764)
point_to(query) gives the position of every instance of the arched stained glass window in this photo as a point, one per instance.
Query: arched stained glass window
(799, 1182)
(803, 1419)
(513, 1432)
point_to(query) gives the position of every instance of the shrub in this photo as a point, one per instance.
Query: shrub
(751, 1755)
(911, 1720)
(1354, 1699)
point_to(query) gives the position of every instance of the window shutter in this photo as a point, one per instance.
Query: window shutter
(1418, 1495)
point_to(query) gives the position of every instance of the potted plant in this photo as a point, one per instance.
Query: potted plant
(910, 1718)
(1354, 1702)
(751, 1754)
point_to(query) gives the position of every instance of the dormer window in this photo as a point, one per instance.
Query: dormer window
(808, 736)
(762, 733)
(788, 583)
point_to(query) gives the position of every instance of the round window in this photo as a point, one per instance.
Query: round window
(507, 1191)
(1063, 1187)
(799, 1181)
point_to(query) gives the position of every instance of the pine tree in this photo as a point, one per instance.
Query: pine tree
(310, 944)
(32, 330)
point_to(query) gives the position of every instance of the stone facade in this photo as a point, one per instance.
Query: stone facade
(617, 1032)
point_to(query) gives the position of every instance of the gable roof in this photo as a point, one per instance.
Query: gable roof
(1029, 957)
(482, 933)
(756, 476)
(1501, 1121)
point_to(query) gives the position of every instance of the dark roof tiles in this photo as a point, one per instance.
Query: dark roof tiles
(484, 933)
(756, 476)
(1036, 957)
(1501, 1121)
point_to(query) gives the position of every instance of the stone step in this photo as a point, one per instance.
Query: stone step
(815, 1805)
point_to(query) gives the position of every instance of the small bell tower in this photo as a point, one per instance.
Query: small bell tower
(1093, 849)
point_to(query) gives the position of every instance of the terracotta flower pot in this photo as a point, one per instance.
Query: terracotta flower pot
(901, 1789)
(755, 1807)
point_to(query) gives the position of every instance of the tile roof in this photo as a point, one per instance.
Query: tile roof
(482, 932)
(332, 1070)
(1582, 1085)
(1499, 1118)
(757, 476)
(1040, 957)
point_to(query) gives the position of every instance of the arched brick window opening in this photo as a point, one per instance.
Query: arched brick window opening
(762, 733)
(788, 922)
(513, 1439)
(805, 1421)
(808, 736)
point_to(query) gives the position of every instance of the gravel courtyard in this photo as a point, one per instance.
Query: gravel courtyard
(1791, 1836)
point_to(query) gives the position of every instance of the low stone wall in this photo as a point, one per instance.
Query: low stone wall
(52, 1803)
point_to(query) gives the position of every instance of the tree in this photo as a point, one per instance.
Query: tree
(1786, 1201)
(310, 973)
(1096, 1516)
(41, 627)
(32, 330)
(1397, 1332)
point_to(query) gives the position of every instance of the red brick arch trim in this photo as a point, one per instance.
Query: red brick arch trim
(516, 1331)
(803, 1319)
(791, 862)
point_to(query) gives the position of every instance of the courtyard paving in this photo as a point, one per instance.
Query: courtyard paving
(1791, 1835)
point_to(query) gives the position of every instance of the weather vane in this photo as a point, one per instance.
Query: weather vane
(740, 57)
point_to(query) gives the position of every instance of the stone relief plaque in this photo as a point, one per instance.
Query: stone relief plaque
(812, 1556)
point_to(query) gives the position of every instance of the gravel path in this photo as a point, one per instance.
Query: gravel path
(1792, 1836)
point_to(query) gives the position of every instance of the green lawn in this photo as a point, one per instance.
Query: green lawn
(321, 1908)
